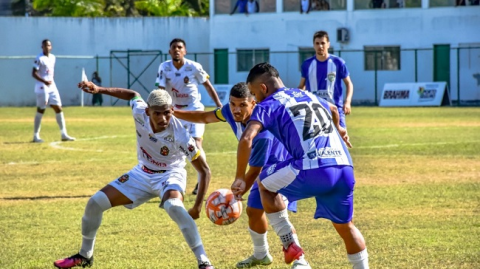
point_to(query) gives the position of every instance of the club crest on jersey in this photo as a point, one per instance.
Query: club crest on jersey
(331, 76)
(123, 178)
(164, 151)
(152, 138)
(186, 80)
(191, 147)
(271, 169)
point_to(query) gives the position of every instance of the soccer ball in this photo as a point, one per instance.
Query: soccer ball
(222, 208)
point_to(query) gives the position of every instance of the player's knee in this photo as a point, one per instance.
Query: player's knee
(41, 110)
(254, 213)
(98, 203)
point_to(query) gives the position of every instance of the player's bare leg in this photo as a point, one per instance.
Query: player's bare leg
(61, 123)
(277, 215)
(172, 202)
(198, 141)
(354, 243)
(101, 201)
(258, 226)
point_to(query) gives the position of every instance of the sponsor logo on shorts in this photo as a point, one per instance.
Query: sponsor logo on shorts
(191, 147)
(164, 151)
(186, 80)
(138, 133)
(123, 178)
(184, 151)
(271, 169)
(152, 138)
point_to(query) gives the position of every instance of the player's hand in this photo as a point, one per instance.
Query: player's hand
(238, 188)
(88, 87)
(343, 133)
(347, 109)
(48, 82)
(194, 213)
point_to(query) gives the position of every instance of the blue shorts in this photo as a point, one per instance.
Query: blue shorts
(254, 200)
(331, 186)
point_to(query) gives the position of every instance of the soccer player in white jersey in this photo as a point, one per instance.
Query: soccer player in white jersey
(46, 91)
(162, 146)
(323, 74)
(181, 77)
(320, 167)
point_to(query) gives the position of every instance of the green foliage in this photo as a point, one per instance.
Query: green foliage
(164, 8)
(70, 8)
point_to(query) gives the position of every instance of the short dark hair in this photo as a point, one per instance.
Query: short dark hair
(45, 41)
(176, 40)
(320, 34)
(240, 90)
(260, 69)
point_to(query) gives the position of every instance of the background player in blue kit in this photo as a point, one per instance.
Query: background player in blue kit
(320, 166)
(323, 74)
(266, 150)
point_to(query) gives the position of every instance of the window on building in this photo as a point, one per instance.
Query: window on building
(385, 58)
(240, 6)
(379, 4)
(452, 3)
(315, 5)
(305, 53)
(247, 58)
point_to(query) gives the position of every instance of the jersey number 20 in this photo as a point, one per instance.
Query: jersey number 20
(315, 115)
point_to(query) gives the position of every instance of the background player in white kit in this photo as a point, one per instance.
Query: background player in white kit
(162, 145)
(181, 77)
(47, 92)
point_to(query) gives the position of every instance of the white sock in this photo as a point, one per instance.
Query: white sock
(91, 220)
(260, 244)
(283, 227)
(359, 260)
(179, 214)
(37, 124)
(61, 123)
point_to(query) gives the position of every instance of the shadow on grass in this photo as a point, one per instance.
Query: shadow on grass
(18, 142)
(45, 197)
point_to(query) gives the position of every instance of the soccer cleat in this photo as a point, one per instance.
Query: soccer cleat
(67, 138)
(301, 263)
(74, 261)
(293, 252)
(252, 261)
(205, 265)
(37, 140)
(195, 191)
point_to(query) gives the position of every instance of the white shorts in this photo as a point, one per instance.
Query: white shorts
(140, 186)
(194, 129)
(50, 97)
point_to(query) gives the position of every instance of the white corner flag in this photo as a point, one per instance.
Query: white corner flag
(84, 79)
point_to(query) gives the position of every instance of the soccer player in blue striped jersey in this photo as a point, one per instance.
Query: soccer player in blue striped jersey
(266, 150)
(323, 74)
(320, 167)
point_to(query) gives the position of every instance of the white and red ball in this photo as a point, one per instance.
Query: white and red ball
(222, 208)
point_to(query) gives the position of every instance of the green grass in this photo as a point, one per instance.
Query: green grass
(417, 197)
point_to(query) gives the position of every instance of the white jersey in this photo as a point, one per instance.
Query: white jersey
(165, 150)
(45, 66)
(182, 83)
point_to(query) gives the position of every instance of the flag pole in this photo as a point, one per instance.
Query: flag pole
(84, 79)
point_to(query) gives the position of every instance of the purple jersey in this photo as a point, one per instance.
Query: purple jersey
(324, 79)
(303, 124)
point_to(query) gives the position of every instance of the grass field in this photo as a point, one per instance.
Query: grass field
(417, 197)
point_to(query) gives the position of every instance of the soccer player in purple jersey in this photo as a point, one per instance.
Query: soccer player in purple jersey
(266, 150)
(323, 73)
(320, 166)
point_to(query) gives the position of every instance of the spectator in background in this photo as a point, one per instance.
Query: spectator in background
(323, 5)
(378, 4)
(241, 5)
(97, 97)
(460, 3)
(305, 6)
(474, 2)
(253, 6)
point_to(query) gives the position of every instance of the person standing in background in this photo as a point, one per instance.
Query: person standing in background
(97, 97)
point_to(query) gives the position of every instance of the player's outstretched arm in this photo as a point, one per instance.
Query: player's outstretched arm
(204, 174)
(90, 87)
(243, 154)
(197, 116)
(336, 121)
(213, 94)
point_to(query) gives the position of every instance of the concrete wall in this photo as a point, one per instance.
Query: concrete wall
(82, 38)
